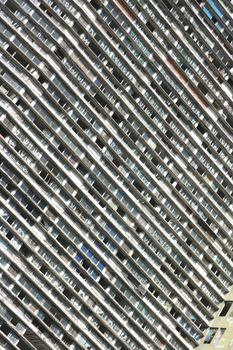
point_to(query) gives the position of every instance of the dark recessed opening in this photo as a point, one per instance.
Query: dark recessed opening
(11, 5)
(103, 283)
(150, 26)
(167, 4)
(82, 169)
(99, 143)
(68, 293)
(120, 255)
(205, 302)
(5, 329)
(62, 241)
(230, 121)
(9, 235)
(82, 124)
(43, 269)
(201, 128)
(100, 99)
(21, 59)
(85, 264)
(226, 308)
(43, 7)
(77, 27)
(11, 50)
(21, 295)
(24, 250)
(95, 4)
(117, 75)
(153, 202)
(117, 118)
(220, 193)
(203, 88)
(132, 279)
(98, 187)
(121, 212)
(169, 134)
(138, 185)
(58, 52)
(116, 162)
(95, 49)
(67, 340)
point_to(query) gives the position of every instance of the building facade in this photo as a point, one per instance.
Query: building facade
(220, 331)
(116, 172)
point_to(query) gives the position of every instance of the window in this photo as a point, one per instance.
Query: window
(92, 257)
(226, 308)
(210, 335)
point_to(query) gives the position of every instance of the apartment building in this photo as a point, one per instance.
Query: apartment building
(116, 172)
(219, 333)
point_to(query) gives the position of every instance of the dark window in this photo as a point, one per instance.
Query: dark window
(43, 174)
(67, 340)
(82, 169)
(77, 28)
(11, 5)
(21, 59)
(99, 187)
(204, 301)
(230, 121)
(201, 128)
(85, 264)
(95, 49)
(43, 269)
(169, 134)
(165, 88)
(153, 85)
(10, 50)
(58, 52)
(21, 295)
(95, 4)
(203, 88)
(120, 255)
(150, 26)
(167, 4)
(68, 293)
(24, 250)
(82, 124)
(117, 118)
(103, 283)
(138, 186)
(121, 212)
(116, 162)
(62, 241)
(153, 202)
(100, 99)
(221, 193)
(99, 143)
(190, 286)
(133, 280)
(9, 235)
(133, 136)
(226, 308)
(117, 75)
(210, 335)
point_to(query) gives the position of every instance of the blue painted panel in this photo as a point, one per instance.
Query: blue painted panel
(100, 266)
(89, 254)
(84, 248)
(94, 275)
(113, 233)
(207, 12)
(78, 258)
(215, 8)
